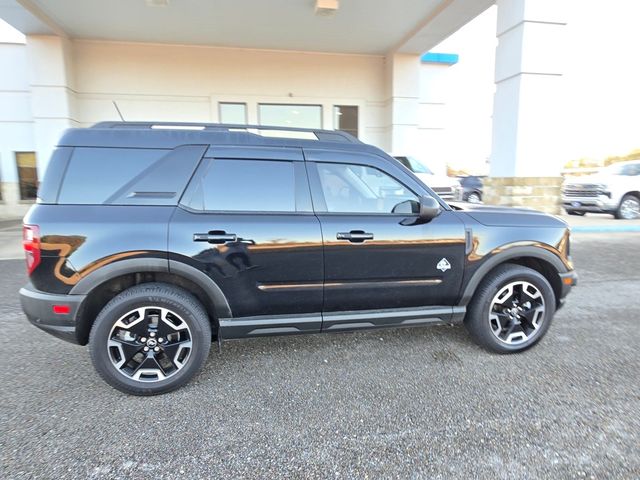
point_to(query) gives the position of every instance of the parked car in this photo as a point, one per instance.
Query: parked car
(472, 188)
(148, 241)
(615, 190)
(448, 188)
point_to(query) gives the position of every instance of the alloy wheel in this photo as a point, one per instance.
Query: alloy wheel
(630, 208)
(516, 313)
(149, 344)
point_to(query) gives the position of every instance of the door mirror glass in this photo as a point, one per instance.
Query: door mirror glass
(408, 207)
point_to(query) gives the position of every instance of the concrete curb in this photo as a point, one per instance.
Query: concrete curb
(605, 228)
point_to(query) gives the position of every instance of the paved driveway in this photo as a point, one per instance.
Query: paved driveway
(421, 402)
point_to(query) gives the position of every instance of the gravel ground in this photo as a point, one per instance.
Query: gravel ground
(419, 403)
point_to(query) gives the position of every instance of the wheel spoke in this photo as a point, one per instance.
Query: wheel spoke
(127, 348)
(167, 326)
(138, 326)
(172, 349)
(149, 365)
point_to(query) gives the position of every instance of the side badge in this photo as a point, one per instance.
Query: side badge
(443, 265)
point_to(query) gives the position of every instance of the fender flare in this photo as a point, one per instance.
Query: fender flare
(161, 265)
(501, 257)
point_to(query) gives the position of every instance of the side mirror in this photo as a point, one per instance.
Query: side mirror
(429, 208)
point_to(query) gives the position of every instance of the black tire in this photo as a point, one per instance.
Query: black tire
(577, 213)
(474, 197)
(196, 335)
(477, 320)
(622, 213)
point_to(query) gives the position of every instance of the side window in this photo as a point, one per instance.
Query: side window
(361, 189)
(95, 174)
(631, 169)
(243, 186)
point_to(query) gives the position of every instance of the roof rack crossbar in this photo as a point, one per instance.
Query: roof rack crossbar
(224, 127)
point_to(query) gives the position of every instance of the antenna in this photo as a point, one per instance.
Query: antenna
(118, 110)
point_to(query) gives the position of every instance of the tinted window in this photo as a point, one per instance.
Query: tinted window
(360, 189)
(243, 186)
(95, 174)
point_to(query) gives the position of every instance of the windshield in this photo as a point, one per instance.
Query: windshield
(630, 169)
(414, 165)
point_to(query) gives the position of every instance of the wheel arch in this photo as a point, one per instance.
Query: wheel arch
(105, 283)
(536, 258)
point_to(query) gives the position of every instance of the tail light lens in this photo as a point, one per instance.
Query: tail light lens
(31, 245)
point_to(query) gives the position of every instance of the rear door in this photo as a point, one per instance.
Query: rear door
(375, 258)
(246, 221)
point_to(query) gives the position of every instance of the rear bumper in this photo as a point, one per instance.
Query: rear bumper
(38, 307)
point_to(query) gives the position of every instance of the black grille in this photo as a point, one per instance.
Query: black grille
(585, 190)
(444, 192)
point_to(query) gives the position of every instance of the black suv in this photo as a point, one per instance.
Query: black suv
(149, 241)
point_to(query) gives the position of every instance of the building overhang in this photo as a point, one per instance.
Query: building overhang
(370, 27)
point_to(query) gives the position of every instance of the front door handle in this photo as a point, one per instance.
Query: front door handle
(215, 237)
(354, 236)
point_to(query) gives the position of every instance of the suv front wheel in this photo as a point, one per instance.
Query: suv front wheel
(150, 339)
(511, 309)
(629, 208)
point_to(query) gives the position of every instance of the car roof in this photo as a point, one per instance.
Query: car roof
(173, 134)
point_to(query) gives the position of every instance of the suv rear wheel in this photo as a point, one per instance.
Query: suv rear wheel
(511, 310)
(150, 339)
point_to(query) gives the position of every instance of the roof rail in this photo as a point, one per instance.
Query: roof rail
(262, 130)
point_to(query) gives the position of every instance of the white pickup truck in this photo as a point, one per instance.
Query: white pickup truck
(448, 188)
(615, 190)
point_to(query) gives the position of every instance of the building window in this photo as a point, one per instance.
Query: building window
(27, 175)
(345, 118)
(233, 113)
(300, 116)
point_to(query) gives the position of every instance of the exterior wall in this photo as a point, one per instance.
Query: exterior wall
(58, 84)
(433, 115)
(16, 124)
(185, 83)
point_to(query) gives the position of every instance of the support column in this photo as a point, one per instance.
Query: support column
(527, 156)
(52, 92)
(403, 86)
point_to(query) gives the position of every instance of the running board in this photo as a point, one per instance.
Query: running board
(243, 327)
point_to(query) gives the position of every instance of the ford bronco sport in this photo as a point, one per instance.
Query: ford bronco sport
(148, 241)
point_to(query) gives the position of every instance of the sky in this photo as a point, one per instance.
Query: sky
(601, 80)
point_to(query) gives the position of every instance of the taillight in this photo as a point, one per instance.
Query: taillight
(31, 245)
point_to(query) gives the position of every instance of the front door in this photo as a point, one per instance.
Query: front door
(375, 258)
(246, 221)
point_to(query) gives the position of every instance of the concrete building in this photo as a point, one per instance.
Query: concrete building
(358, 65)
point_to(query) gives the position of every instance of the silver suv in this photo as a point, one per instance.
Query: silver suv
(615, 190)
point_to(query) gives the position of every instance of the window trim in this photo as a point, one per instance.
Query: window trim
(318, 197)
(302, 194)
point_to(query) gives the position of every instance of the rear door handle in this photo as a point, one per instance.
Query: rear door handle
(354, 236)
(215, 237)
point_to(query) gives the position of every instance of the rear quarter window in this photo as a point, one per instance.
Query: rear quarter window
(128, 176)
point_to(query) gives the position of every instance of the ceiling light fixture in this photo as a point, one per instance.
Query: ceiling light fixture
(327, 8)
(157, 3)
